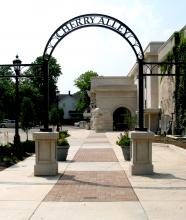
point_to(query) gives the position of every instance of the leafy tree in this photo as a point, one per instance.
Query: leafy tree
(60, 115)
(27, 114)
(37, 80)
(56, 116)
(7, 91)
(83, 82)
(53, 116)
(27, 90)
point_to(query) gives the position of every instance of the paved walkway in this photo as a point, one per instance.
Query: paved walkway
(95, 184)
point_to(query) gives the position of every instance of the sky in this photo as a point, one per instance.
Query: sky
(26, 26)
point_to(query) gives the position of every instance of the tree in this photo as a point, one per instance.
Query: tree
(7, 90)
(83, 82)
(27, 90)
(56, 116)
(27, 115)
(53, 116)
(60, 115)
(37, 80)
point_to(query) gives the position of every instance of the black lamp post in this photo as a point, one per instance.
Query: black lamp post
(17, 63)
(57, 96)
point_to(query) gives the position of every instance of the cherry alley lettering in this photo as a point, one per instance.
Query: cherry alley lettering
(90, 21)
(96, 20)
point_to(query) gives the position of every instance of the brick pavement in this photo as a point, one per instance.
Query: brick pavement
(93, 186)
(95, 155)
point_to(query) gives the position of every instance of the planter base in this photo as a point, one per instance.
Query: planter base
(62, 152)
(126, 153)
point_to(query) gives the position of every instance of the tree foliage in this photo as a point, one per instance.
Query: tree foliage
(34, 85)
(56, 116)
(53, 116)
(29, 91)
(83, 82)
(27, 114)
(60, 115)
(7, 91)
(37, 80)
(30, 88)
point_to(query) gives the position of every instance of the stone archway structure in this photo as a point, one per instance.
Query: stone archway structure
(94, 20)
(110, 93)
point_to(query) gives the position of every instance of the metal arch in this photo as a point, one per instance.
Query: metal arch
(93, 20)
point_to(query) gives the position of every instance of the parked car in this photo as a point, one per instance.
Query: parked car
(7, 123)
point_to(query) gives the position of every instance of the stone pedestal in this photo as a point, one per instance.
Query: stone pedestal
(141, 160)
(45, 147)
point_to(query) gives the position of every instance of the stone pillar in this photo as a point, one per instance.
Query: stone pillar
(45, 147)
(141, 160)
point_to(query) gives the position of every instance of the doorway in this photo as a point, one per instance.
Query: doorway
(121, 119)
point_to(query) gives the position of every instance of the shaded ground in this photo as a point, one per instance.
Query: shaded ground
(4, 166)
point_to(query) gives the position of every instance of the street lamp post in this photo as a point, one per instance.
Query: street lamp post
(57, 96)
(17, 67)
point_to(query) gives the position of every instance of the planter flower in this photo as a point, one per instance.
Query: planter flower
(62, 149)
(124, 142)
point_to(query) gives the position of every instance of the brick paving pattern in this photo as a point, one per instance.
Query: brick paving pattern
(95, 155)
(92, 186)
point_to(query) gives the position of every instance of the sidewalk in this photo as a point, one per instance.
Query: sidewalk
(94, 184)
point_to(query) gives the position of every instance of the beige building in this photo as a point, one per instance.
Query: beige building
(114, 100)
(151, 90)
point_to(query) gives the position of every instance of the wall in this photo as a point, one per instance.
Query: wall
(111, 93)
(166, 87)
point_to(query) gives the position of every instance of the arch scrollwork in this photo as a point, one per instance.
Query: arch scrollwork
(94, 20)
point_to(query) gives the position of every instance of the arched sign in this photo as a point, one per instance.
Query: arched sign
(94, 20)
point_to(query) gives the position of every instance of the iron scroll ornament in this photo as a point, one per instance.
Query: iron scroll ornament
(93, 20)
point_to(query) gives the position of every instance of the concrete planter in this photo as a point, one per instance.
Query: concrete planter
(62, 152)
(126, 152)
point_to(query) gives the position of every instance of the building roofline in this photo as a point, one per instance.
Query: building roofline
(153, 42)
(170, 38)
(108, 77)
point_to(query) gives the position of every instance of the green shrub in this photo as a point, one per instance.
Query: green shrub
(62, 142)
(10, 153)
(28, 146)
(6, 150)
(123, 140)
(64, 134)
(9, 159)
